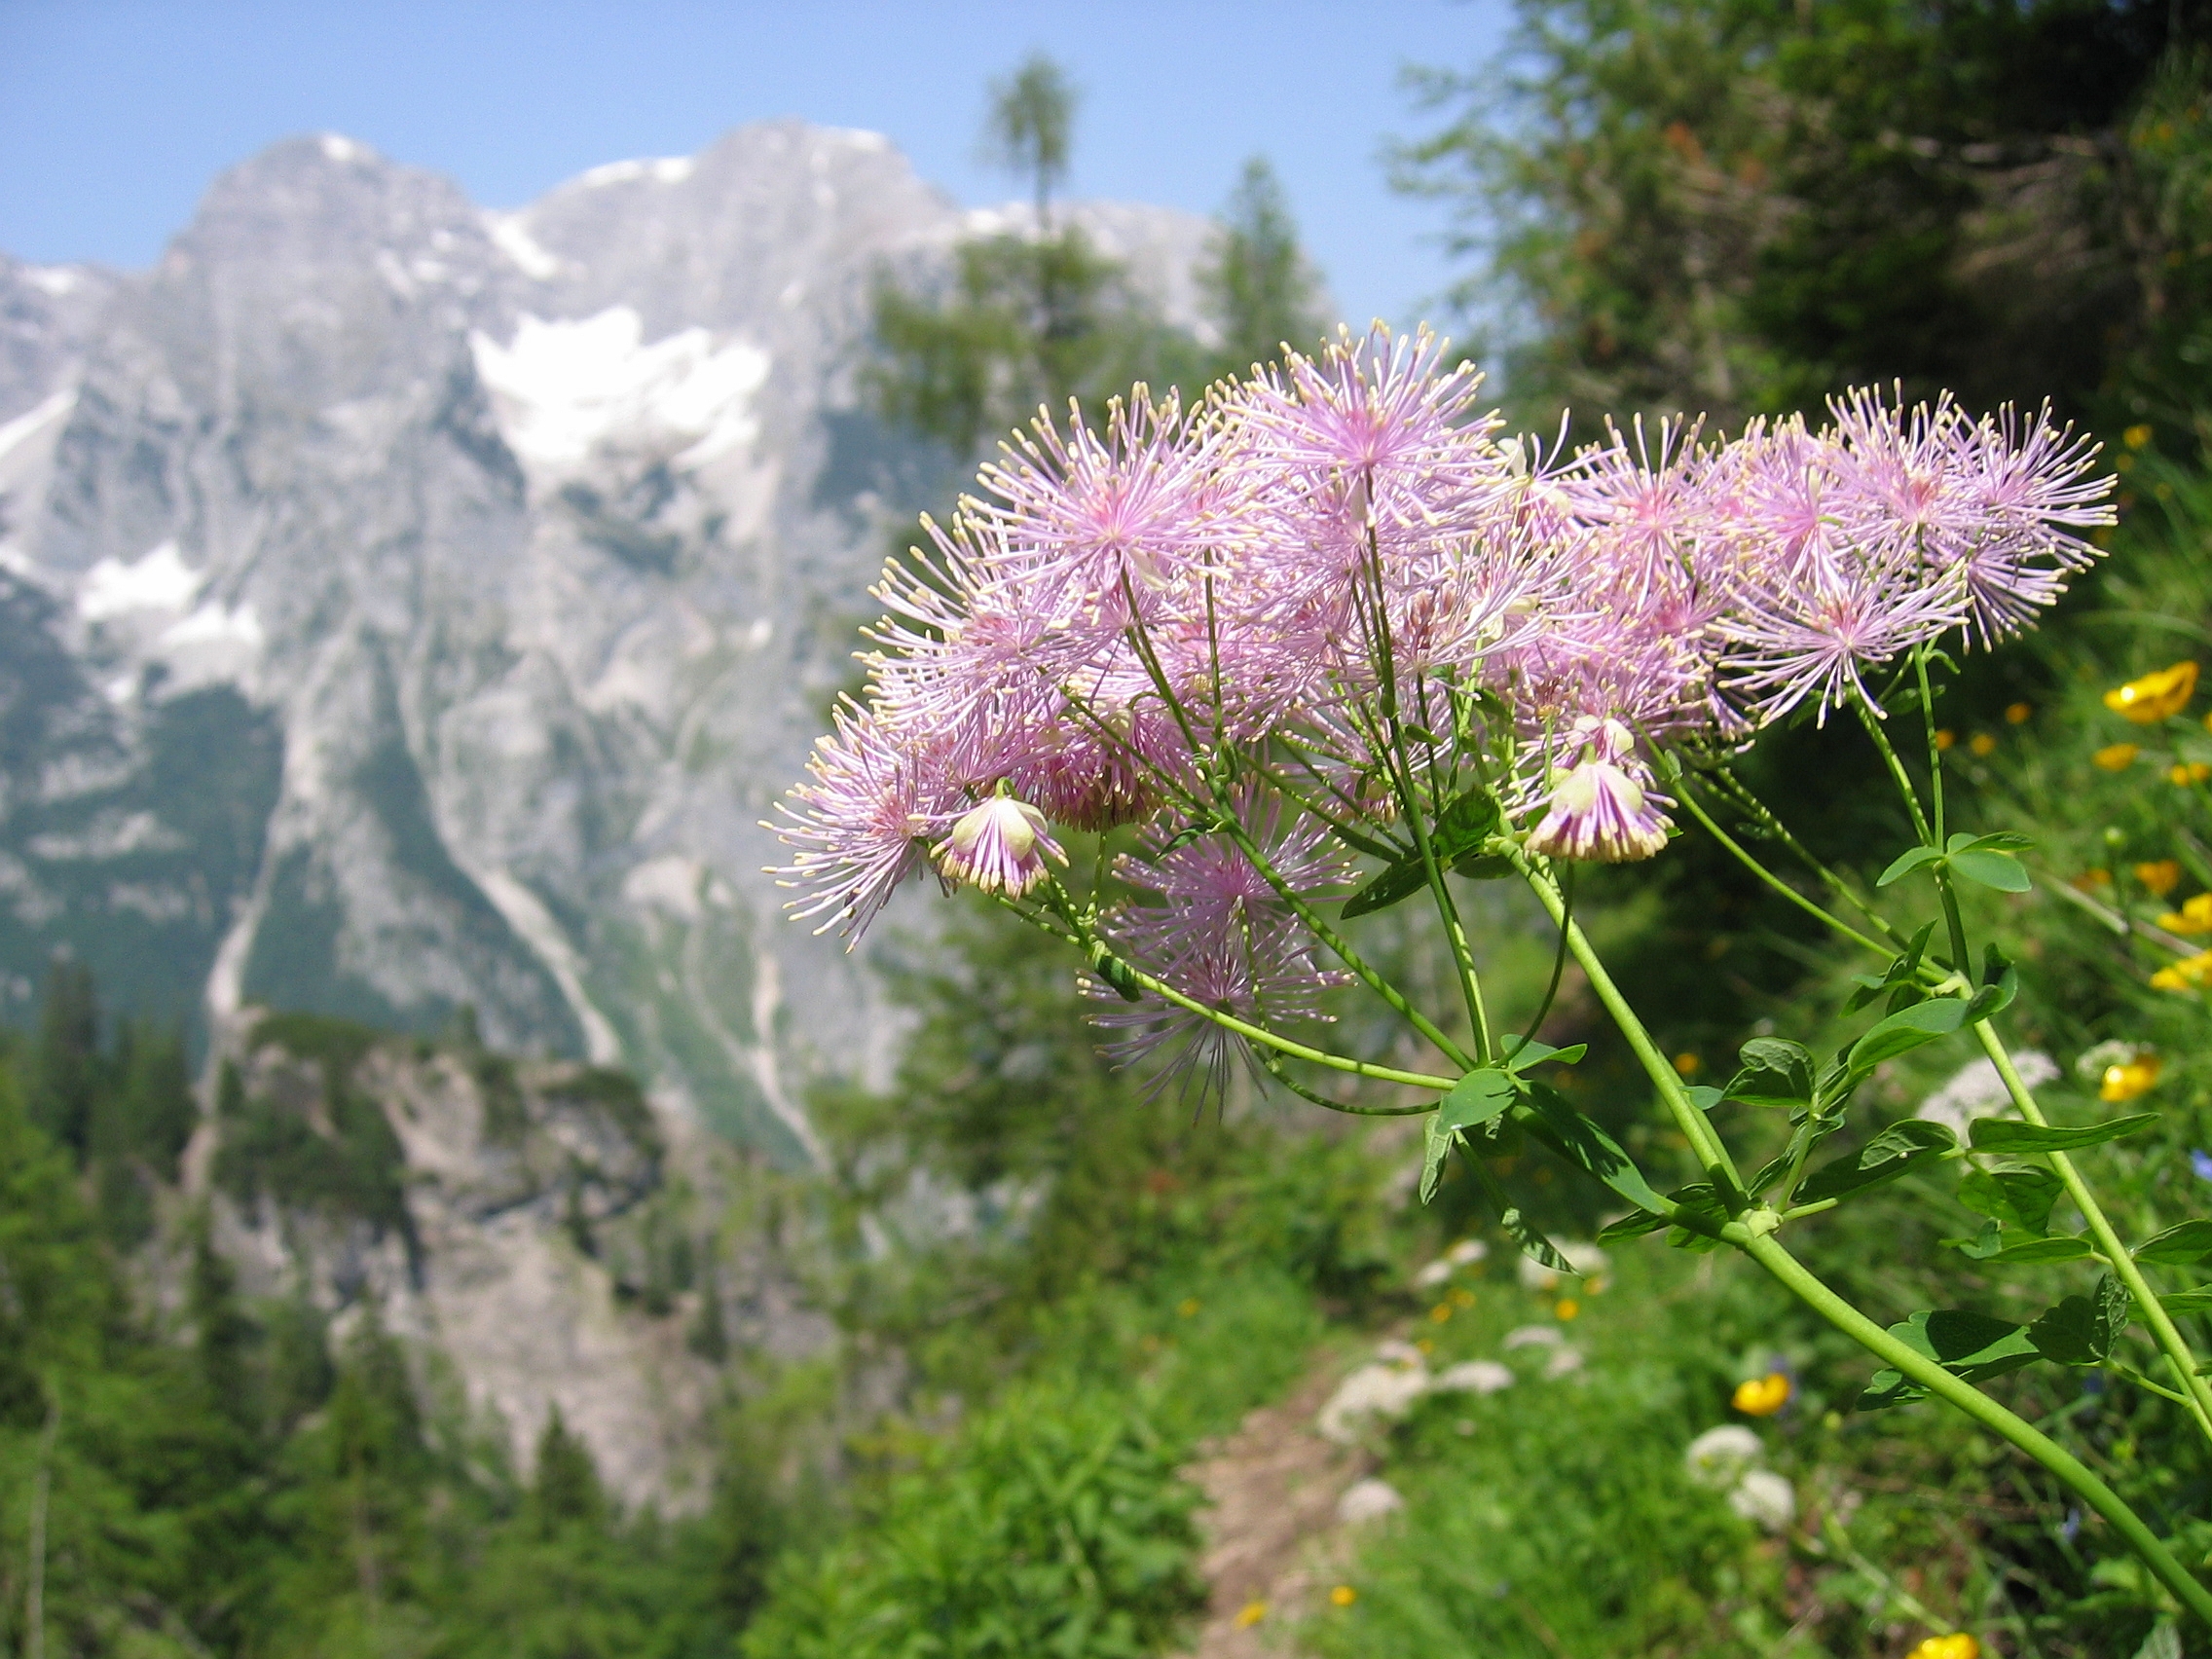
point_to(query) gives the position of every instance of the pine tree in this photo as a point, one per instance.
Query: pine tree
(1259, 288)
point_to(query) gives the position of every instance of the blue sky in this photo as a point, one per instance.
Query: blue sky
(114, 113)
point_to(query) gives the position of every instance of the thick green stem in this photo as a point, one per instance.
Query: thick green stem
(2152, 1311)
(1803, 1284)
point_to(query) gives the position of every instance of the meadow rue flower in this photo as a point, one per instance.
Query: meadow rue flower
(999, 846)
(2159, 876)
(1600, 810)
(2187, 975)
(1340, 559)
(2155, 696)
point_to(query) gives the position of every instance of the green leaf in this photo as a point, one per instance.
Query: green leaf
(1368, 844)
(1897, 1150)
(1703, 1098)
(1998, 840)
(2016, 1198)
(2197, 1301)
(1535, 1053)
(1390, 886)
(2000, 984)
(1482, 867)
(2001, 870)
(1699, 1216)
(1464, 827)
(2065, 1247)
(2082, 1329)
(1905, 1031)
(1973, 1347)
(2009, 1135)
(1475, 1099)
(2178, 1246)
(1574, 1137)
(1633, 1224)
(1775, 1073)
(1906, 862)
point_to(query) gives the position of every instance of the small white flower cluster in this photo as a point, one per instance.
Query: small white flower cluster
(1464, 1254)
(1975, 1090)
(1385, 1389)
(1729, 1460)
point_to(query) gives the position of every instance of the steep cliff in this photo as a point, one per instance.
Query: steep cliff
(404, 606)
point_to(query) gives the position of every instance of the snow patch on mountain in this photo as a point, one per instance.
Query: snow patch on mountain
(157, 581)
(564, 390)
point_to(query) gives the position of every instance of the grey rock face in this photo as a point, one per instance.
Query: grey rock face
(515, 1226)
(406, 606)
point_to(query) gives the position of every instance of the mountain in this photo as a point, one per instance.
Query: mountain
(407, 608)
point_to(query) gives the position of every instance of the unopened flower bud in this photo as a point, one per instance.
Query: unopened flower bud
(999, 847)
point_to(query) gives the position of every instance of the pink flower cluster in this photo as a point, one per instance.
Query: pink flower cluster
(1316, 560)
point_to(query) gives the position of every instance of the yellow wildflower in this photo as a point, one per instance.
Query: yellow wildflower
(2160, 876)
(1439, 1312)
(2193, 917)
(1566, 1308)
(1687, 1064)
(1945, 738)
(2016, 713)
(2117, 756)
(1957, 1645)
(1343, 1596)
(1762, 1396)
(2186, 772)
(2155, 696)
(2187, 975)
(1982, 743)
(2092, 878)
(2126, 1081)
(2136, 437)
(1188, 1307)
(1250, 1615)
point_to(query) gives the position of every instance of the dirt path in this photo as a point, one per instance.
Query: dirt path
(1271, 1526)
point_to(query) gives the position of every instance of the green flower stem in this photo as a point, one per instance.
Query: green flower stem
(2170, 1338)
(1768, 876)
(1073, 931)
(1799, 1280)
(1712, 1155)
(1301, 1052)
(1929, 835)
(1733, 787)
(1463, 957)
(1342, 949)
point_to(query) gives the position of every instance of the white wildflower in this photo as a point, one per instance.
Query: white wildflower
(1368, 1501)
